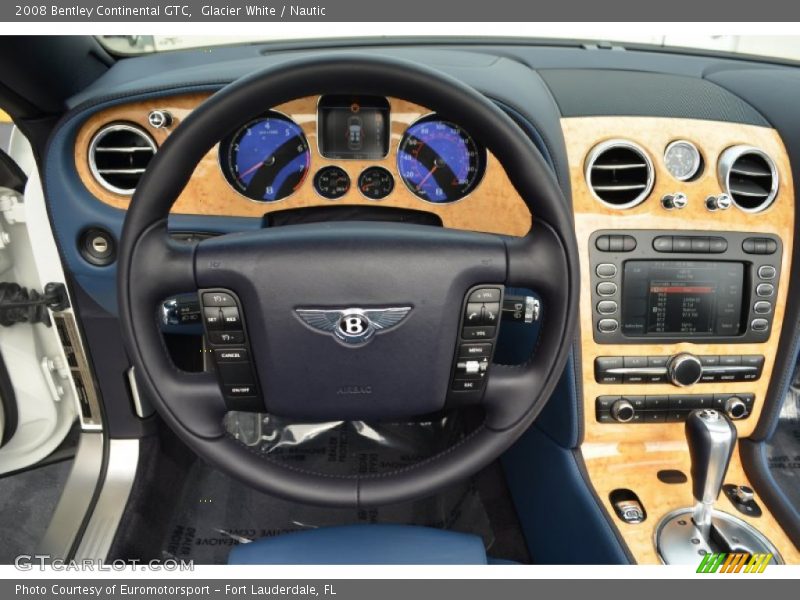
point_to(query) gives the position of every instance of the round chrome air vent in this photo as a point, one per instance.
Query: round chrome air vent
(118, 156)
(749, 177)
(619, 173)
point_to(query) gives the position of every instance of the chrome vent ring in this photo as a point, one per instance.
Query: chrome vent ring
(118, 156)
(749, 176)
(619, 173)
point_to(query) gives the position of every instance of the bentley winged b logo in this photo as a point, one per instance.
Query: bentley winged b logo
(353, 326)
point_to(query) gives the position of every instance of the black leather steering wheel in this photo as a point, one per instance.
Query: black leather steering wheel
(276, 271)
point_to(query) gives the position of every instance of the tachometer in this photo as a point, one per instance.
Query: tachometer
(439, 161)
(266, 159)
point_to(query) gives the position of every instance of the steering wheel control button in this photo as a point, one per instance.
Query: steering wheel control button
(606, 270)
(607, 325)
(475, 350)
(235, 372)
(218, 299)
(478, 333)
(231, 318)
(232, 355)
(226, 337)
(240, 390)
(485, 295)
(213, 318)
(482, 310)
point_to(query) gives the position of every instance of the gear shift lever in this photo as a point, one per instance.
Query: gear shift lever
(680, 540)
(711, 438)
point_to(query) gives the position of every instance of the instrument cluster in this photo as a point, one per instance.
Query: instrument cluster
(269, 158)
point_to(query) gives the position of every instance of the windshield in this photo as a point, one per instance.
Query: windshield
(783, 47)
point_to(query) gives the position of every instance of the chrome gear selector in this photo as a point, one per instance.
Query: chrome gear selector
(711, 438)
(684, 535)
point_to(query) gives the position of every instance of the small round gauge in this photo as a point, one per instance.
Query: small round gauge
(683, 160)
(332, 182)
(376, 183)
(266, 159)
(439, 161)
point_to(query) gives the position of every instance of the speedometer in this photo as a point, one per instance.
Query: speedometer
(266, 159)
(439, 161)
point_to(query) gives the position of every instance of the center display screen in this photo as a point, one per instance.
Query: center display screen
(682, 298)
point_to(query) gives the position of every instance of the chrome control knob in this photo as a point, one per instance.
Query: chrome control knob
(744, 494)
(159, 119)
(674, 201)
(622, 411)
(735, 408)
(721, 202)
(684, 369)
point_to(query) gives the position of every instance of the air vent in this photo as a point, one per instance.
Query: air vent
(749, 177)
(619, 173)
(118, 156)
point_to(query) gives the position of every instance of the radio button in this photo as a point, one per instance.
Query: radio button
(684, 369)
(709, 360)
(717, 245)
(607, 325)
(753, 360)
(762, 308)
(656, 402)
(663, 243)
(607, 307)
(605, 402)
(730, 360)
(602, 364)
(765, 290)
(606, 270)
(759, 324)
(635, 362)
(767, 272)
(681, 244)
(700, 245)
(606, 288)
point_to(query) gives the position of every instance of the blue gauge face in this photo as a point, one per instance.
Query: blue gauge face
(439, 161)
(267, 159)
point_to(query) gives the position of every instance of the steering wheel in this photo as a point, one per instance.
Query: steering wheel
(405, 369)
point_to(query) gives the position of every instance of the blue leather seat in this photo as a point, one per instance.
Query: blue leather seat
(364, 545)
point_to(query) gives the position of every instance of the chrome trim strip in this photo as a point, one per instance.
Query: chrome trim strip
(143, 408)
(123, 459)
(76, 499)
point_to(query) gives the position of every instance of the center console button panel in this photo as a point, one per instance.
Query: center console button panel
(681, 370)
(669, 408)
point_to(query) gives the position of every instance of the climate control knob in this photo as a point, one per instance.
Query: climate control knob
(684, 369)
(622, 411)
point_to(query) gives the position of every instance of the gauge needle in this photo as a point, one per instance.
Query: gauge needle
(254, 167)
(424, 179)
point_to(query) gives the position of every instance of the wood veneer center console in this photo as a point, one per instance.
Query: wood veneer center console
(629, 455)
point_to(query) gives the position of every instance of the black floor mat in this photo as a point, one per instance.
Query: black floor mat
(214, 512)
(783, 450)
(27, 501)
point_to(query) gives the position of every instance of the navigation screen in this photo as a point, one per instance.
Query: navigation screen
(682, 298)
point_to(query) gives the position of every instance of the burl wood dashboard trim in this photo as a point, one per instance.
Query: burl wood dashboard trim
(629, 455)
(493, 207)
